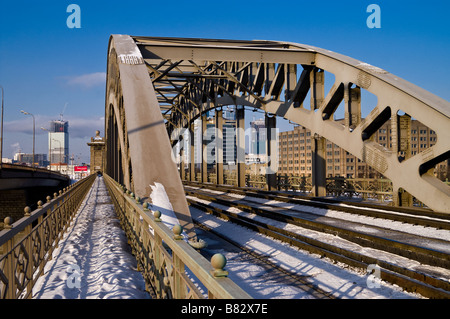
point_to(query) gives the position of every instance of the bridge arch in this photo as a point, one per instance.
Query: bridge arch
(137, 150)
(189, 76)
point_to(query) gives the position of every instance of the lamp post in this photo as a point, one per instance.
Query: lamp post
(49, 147)
(1, 137)
(26, 113)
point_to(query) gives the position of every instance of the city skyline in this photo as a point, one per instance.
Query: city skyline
(46, 66)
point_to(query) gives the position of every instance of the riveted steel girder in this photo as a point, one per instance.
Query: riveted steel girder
(192, 76)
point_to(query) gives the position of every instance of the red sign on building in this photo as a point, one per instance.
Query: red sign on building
(80, 168)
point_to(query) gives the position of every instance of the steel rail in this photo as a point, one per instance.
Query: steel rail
(396, 242)
(299, 280)
(413, 281)
(414, 216)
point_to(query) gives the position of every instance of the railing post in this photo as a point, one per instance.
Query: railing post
(9, 262)
(179, 287)
(29, 249)
(157, 258)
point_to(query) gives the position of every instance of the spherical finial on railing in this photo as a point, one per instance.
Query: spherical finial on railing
(218, 261)
(138, 199)
(7, 222)
(177, 230)
(27, 211)
(132, 195)
(48, 198)
(145, 206)
(40, 203)
(55, 195)
(157, 215)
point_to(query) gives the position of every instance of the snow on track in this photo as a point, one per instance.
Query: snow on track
(342, 281)
(419, 230)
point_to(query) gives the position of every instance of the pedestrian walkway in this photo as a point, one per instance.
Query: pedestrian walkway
(93, 260)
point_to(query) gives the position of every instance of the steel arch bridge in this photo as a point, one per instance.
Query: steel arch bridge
(158, 86)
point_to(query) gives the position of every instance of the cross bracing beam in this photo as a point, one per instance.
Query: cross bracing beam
(192, 76)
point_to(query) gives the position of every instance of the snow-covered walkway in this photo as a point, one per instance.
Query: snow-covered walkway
(93, 260)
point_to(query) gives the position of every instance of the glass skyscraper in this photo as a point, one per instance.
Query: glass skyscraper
(58, 142)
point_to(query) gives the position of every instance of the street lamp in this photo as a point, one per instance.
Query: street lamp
(26, 113)
(50, 147)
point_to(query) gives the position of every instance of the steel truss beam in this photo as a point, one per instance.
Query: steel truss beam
(200, 74)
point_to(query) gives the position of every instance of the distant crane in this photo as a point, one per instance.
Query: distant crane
(62, 114)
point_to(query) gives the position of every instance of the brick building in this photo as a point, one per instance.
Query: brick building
(295, 156)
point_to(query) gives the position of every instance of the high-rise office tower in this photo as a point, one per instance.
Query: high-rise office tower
(58, 142)
(258, 137)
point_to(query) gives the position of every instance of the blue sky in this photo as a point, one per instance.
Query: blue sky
(44, 64)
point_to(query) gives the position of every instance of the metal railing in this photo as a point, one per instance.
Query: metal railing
(374, 189)
(27, 244)
(367, 188)
(171, 267)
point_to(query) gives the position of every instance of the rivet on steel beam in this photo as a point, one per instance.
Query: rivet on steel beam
(157, 215)
(27, 211)
(218, 262)
(177, 230)
(7, 222)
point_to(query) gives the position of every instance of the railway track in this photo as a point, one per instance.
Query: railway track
(273, 272)
(411, 247)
